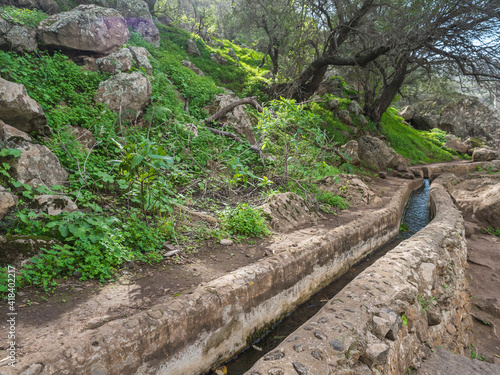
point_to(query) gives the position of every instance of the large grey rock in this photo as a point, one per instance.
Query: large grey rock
(17, 250)
(487, 207)
(141, 59)
(36, 166)
(53, 204)
(10, 135)
(464, 116)
(192, 48)
(468, 117)
(19, 110)
(237, 118)
(484, 154)
(350, 149)
(138, 17)
(444, 362)
(17, 38)
(355, 108)
(85, 28)
(376, 153)
(125, 93)
(345, 117)
(136, 14)
(119, 61)
(194, 68)
(216, 58)
(425, 121)
(7, 201)
(407, 113)
(457, 145)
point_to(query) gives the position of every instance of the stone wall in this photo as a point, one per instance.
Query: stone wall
(431, 171)
(192, 333)
(387, 319)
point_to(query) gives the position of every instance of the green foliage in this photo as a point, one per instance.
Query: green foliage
(409, 142)
(332, 126)
(51, 80)
(332, 200)
(405, 320)
(294, 137)
(474, 354)
(403, 227)
(91, 245)
(22, 16)
(243, 77)
(244, 220)
(425, 302)
(492, 231)
(142, 176)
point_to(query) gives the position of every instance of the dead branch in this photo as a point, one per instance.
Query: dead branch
(250, 100)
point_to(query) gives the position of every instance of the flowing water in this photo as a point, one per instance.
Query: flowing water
(416, 216)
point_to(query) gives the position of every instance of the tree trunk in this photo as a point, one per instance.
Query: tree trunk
(151, 6)
(384, 99)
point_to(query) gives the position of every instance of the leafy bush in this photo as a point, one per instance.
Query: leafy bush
(244, 220)
(22, 16)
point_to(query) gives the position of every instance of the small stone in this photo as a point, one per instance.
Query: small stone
(337, 345)
(451, 329)
(273, 371)
(317, 354)
(309, 328)
(169, 246)
(323, 320)
(171, 253)
(300, 368)
(293, 338)
(226, 242)
(273, 356)
(298, 348)
(320, 335)
(77, 274)
(376, 353)
(347, 325)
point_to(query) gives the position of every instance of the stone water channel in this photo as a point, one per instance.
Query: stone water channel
(416, 216)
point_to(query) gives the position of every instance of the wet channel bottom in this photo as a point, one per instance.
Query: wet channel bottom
(415, 217)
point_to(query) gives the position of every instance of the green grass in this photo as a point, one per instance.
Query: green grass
(409, 142)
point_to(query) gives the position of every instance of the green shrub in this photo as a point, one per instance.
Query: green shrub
(22, 16)
(244, 220)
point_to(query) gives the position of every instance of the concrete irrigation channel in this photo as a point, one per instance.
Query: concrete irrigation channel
(363, 326)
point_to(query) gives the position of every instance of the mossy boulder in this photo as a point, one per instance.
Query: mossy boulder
(16, 250)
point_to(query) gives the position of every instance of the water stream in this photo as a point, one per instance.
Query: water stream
(416, 216)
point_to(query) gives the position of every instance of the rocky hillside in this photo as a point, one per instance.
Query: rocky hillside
(121, 137)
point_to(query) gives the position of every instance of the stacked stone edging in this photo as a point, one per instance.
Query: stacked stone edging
(361, 330)
(431, 171)
(191, 333)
